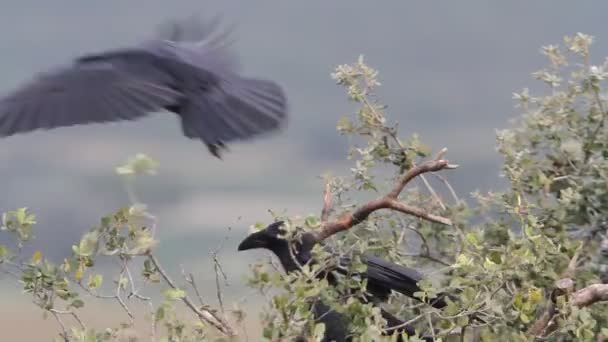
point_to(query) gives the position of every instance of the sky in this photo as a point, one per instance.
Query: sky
(448, 70)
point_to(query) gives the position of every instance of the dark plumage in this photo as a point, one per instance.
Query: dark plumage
(382, 276)
(190, 74)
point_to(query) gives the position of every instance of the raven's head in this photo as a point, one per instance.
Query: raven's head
(269, 238)
(273, 238)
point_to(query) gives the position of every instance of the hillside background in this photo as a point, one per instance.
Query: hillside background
(448, 71)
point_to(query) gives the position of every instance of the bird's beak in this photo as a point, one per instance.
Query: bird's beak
(251, 242)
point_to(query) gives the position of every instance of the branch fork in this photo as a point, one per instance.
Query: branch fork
(388, 201)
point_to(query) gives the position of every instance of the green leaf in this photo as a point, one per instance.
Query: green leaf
(143, 242)
(77, 303)
(95, 281)
(319, 331)
(88, 244)
(36, 257)
(4, 252)
(174, 294)
(472, 238)
(345, 125)
(138, 165)
(312, 222)
(123, 282)
(160, 314)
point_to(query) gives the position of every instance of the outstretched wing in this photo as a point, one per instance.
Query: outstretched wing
(94, 89)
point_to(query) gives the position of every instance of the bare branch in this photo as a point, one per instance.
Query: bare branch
(64, 332)
(418, 212)
(590, 295)
(190, 280)
(449, 186)
(217, 268)
(569, 273)
(57, 313)
(393, 134)
(545, 324)
(204, 314)
(389, 201)
(119, 297)
(154, 321)
(327, 205)
(433, 165)
(134, 291)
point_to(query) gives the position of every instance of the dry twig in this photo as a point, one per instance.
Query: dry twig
(546, 323)
(207, 316)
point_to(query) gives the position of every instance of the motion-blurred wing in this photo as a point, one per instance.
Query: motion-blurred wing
(234, 110)
(201, 43)
(221, 106)
(88, 92)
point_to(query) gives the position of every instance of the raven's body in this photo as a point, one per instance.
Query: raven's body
(194, 79)
(382, 276)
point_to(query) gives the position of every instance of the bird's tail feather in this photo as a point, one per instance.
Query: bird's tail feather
(401, 279)
(236, 109)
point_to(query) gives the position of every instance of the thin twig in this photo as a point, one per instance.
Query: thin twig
(153, 327)
(69, 313)
(64, 332)
(430, 321)
(119, 298)
(80, 322)
(327, 203)
(190, 280)
(426, 256)
(449, 186)
(393, 135)
(116, 296)
(602, 119)
(217, 269)
(134, 292)
(205, 315)
(404, 324)
(11, 273)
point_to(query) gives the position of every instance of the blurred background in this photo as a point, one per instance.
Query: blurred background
(448, 72)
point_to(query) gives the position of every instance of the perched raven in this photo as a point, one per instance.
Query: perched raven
(190, 74)
(382, 276)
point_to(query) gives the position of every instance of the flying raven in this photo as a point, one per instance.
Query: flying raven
(191, 73)
(382, 276)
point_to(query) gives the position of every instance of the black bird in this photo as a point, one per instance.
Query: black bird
(382, 276)
(337, 325)
(190, 73)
